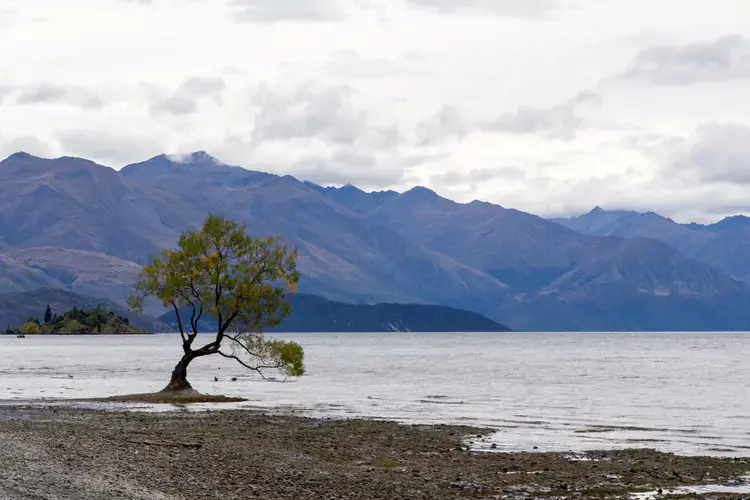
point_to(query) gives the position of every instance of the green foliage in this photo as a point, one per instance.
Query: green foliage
(76, 320)
(287, 357)
(47, 314)
(72, 326)
(290, 356)
(30, 328)
(240, 280)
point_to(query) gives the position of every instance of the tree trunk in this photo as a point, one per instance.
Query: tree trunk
(179, 382)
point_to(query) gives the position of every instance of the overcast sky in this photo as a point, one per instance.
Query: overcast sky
(548, 106)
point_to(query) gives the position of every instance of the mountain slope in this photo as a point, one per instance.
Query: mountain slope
(552, 269)
(74, 204)
(722, 245)
(341, 255)
(16, 276)
(641, 285)
(522, 250)
(77, 204)
(317, 314)
(650, 267)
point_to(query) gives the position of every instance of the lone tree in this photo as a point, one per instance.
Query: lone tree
(237, 280)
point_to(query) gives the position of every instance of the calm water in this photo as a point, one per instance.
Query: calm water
(685, 393)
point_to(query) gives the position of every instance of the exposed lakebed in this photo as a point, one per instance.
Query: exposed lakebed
(88, 455)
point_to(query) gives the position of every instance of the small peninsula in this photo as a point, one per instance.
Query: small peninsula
(76, 322)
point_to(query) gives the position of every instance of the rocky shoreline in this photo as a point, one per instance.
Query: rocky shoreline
(64, 453)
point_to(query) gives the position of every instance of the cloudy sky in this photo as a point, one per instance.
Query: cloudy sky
(549, 106)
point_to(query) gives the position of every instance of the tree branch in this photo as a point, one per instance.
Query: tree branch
(258, 369)
(196, 319)
(244, 347)
(179, 322)
(192, 336)
(223, 328)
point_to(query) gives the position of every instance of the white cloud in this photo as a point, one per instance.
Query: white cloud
(715, 153)
(52, 93)
(260, 11)
(307, 111)
(512, 8)
(724, 58)
(471, 98)
(559, 121)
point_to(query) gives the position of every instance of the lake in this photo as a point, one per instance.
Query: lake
(678, 392)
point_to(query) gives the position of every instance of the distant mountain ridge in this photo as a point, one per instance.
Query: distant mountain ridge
(74, 224)
(317, 314)
(353, 198)
(723, 245)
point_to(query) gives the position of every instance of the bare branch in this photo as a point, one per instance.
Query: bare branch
(258, 369)
(227, 324)
(192, 336)
(208, 349)
(196, 318)
(179, 321)
(244, 347)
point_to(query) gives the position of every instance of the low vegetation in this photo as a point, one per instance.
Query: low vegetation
(76, 321)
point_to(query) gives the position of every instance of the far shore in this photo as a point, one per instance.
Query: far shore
(60, 334)
(62, 452)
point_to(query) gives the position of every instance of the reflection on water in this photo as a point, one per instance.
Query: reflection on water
(684, 393)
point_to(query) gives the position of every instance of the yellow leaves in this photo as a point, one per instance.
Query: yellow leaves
(211, 259)
(30, 329)
(293, 287)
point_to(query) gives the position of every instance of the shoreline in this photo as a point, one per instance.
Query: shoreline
(65, 452)
(30, 335)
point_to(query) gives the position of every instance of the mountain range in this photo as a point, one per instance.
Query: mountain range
(70, 223)
(724, 245)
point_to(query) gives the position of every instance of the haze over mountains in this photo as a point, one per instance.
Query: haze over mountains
(70, 223)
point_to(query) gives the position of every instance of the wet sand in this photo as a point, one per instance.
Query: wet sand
(63, 453)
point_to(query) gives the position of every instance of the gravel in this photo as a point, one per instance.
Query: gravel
(61, 453)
